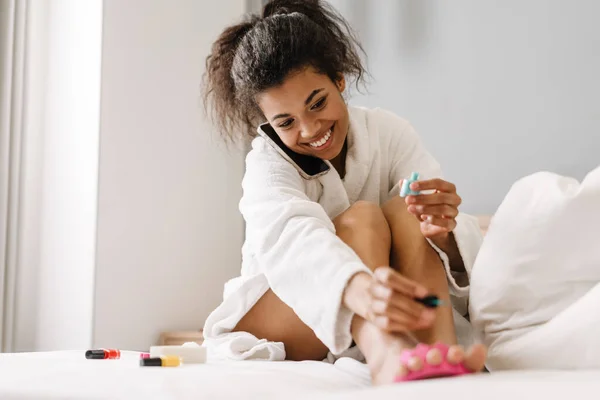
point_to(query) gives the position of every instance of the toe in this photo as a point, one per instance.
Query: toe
(402, 371)
(456, 354)
(434, 357)
(415, 364)
(475, 358)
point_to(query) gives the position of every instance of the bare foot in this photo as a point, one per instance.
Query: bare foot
(474, 360)
(391, 368)
(384, 364)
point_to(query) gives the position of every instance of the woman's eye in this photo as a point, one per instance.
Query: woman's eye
(319, 103)
(286, 123)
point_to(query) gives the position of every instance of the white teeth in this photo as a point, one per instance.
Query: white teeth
(323, 140)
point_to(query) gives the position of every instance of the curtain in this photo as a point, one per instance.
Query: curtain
(12, 62)
(49, 103)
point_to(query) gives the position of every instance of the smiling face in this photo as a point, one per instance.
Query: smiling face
(308, 113)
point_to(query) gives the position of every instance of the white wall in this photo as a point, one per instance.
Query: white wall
(169, 231)
(497, 89)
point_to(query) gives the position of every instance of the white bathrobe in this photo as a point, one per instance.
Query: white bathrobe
(291, 245)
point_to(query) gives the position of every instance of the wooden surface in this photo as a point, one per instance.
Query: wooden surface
(176, 338)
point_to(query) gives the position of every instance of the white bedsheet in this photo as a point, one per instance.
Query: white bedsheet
(68, 375)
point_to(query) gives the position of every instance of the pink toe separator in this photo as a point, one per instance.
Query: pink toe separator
(430, 371)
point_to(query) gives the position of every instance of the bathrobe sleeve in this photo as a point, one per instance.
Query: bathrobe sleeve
(306, 264)
(407, 154)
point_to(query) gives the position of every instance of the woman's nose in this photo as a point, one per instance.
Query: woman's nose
(310, 130)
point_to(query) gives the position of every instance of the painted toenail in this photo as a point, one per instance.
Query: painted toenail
(455, 354)
(415, 364)
(434, 357)
(402, 371)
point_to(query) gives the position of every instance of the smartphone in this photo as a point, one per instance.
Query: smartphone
(309, 167)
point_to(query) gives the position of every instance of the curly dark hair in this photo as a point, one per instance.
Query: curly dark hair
(260, 52)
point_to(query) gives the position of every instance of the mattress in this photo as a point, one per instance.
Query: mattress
(68, 375)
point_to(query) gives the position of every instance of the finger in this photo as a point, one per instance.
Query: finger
(434, 184)
(383, 308)
(438, 210)
(397, 303)
(446, 223)
(392, 279)
(434, 198)
(388, 302)
(414, 211)
(432, 231)
(399, 324)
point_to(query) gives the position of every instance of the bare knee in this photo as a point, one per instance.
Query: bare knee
(396, 209)
(405, 227)
(364, 217)
(411, 254)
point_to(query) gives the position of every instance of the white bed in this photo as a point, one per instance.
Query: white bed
(566, 335)
(68, 375)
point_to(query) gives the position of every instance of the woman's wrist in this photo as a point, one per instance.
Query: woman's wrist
(442, 242)
(449, 246)
(356, 294)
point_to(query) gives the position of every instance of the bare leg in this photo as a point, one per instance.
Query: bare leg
(374, 233)
(364, 228)
(272, 319)
(413, 257)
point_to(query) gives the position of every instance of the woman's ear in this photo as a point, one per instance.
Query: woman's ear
(341, 83)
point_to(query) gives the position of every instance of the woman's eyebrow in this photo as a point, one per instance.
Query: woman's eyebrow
(312, 95)
(279, 116)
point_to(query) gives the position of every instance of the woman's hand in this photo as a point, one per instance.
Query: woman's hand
(436, 211)
(388, 301)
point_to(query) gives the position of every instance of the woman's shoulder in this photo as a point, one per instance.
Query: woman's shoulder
(383, 125)
(266, 161)
(379, 118)
(264, 154)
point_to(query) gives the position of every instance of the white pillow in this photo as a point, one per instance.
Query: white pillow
(540, 256)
